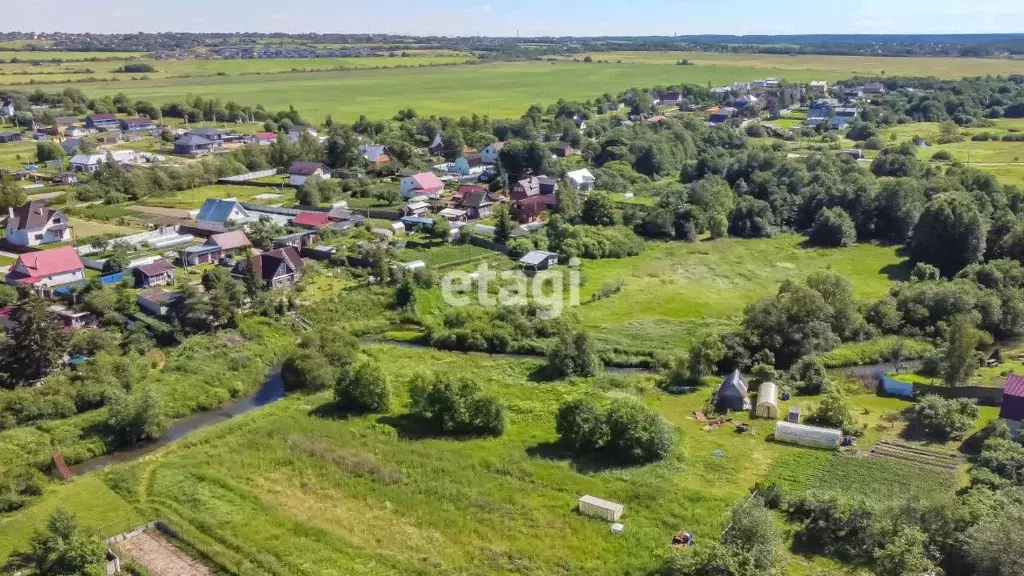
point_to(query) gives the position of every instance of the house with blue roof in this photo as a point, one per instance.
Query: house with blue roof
(219, 214)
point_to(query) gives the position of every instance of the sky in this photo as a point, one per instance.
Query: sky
(527, 17)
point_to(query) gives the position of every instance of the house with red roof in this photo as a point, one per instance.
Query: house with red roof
(422, 184)
(264, 138)
(34, 224)
(1012, 406)
(312, 220)
(47, 268)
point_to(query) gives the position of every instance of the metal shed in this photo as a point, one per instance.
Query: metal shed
(593, 506)
(810, 436)
(767, 401)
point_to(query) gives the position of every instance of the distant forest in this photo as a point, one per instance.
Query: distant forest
(966, 45)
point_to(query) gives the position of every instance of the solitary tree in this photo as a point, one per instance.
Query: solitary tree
(960, 357)
(40, 343)
(62, 549)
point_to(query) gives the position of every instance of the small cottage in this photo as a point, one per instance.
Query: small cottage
(538, 260)
(299, 172)
(156, 273)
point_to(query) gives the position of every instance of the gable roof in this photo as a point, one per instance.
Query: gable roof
(262, 136)
(581, 175)
(427, 181)
(71, 144)
(475, 199)
(1014, 386)
(314, 219)
(46, 263)
(306, 168)
(86, 159)
(563, 145)
(373, 152)
(268, 265)
(497, 146)
(192, 140)
(156, 295)
(102, 117)
(137, 121)
(536, 257)
(474, 159)
(31, 215)
(229, 240)
(155, 267)
(733, 382)
(205, 132)
(220, 210)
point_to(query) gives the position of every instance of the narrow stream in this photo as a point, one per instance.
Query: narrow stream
(271, 391)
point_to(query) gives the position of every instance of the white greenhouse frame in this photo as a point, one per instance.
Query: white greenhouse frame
(810, 436)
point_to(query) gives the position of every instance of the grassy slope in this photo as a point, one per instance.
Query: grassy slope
(497, 89)
(984, 152)
(194, 198)
(298, 493)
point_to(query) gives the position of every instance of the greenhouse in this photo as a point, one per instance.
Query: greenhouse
(810, 436)
(767, 401)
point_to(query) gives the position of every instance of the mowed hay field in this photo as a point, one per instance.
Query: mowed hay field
(501, 90)
(71, 70)
(985, 152)
(293, 490)
(846, 66)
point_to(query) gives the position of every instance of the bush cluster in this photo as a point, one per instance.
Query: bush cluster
(627, 431)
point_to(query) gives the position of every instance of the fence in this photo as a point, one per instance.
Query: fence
(985, 395)
(248, 176)
(484, 243)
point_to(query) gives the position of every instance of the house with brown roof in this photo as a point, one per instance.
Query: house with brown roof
(276, 268)
(101, 121)
(533, 186)
(34, 224)
(299, 172)
(533, 209)
(564, 150)
(476, 203)
(468, 163)
(156, 273)
(155, 301)
(216, 247)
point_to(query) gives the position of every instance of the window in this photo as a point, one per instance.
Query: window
(39, 237)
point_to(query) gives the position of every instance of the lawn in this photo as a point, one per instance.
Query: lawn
(290, 490)
(502, 89)
(15, 155)
(88, 228)
(194, 198)
(968, 150)
(675, 291)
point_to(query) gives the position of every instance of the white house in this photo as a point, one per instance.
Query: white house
(490, 154)
(424, 183)
(819, 85)
(47, 268)
(299, 172)
(580, 179)
(217, 214)
(86, 162)
(7, 109)
(34, 224)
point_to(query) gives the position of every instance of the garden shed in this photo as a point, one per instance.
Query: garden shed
(593, 506)
(810, 436)
(732, 394)
(767, 401)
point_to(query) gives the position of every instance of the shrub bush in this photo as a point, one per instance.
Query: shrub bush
(637, 434)
(942, 419)
(581, 425)
(363, 387)
(457, 405)
(833, 228)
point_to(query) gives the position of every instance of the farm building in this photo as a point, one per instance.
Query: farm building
(732, 394)
(810, 436)
(538, 260)
(767, 401)
(597, 508)
(1012, 406)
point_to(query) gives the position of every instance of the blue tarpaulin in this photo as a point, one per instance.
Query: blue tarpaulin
(897, 388)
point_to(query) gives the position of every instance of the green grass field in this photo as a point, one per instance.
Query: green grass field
(990, 152)
(500, 90)
(87, 228)
(287, 490)
(15, 155)
(25, 72)
(195, 197)
(675, 291)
